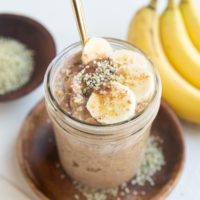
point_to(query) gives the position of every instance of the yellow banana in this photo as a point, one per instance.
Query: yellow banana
(191, 18)
(144, 33)
(178, 46)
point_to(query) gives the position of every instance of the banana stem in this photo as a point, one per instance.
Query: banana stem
(153, 4)
(186, 1)
(171, 4)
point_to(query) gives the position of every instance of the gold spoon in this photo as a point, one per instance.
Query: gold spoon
(80, 19)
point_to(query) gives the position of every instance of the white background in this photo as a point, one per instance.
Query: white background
(104, 18)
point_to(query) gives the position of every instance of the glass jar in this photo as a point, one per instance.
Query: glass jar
(100, 155)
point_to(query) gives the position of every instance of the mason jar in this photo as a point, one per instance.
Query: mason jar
(100, 156)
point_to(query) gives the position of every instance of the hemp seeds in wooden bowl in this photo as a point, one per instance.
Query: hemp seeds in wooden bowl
(26, 49)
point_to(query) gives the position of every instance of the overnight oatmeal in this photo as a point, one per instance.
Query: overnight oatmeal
(104, 87)
(102, 101)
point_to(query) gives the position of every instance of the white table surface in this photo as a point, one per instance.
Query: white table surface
(104, 18)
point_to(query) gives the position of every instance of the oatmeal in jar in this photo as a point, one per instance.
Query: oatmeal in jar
(102, 100)
(119, 81)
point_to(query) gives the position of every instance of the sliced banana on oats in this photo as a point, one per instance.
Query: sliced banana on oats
(96, 48)
(125, 57)
(115, 106)
(140, 81)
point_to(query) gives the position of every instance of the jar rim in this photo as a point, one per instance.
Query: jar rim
(56, 105)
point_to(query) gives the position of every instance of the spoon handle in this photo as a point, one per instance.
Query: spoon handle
(80, 19)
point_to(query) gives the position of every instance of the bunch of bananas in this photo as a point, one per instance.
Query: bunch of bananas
(172, 41)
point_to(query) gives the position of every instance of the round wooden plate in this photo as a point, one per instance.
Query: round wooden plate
(38, 158)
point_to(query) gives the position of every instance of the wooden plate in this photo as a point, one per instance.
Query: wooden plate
(38, 157)
(37, 38)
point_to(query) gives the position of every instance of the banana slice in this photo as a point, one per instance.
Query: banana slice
(96, 48)
(126, 57)
(117, 105)
(140, 81)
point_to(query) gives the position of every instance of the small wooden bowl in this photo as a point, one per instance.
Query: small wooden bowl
(38, 158)
(37, 38)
